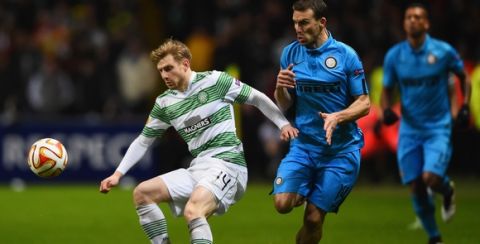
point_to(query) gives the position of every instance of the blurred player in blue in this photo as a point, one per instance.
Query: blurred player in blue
(420, 67)
(324, 81)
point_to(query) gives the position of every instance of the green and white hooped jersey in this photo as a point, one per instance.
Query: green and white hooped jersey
(202, 115)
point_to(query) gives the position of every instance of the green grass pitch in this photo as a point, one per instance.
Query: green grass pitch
(79, 214)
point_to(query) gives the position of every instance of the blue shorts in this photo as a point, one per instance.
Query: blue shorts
(423, 153)
(325, 180)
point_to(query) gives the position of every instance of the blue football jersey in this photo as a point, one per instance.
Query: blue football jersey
(422, 75)
(328, 79)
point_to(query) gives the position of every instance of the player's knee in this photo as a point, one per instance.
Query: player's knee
(191, 212)
(188, 213)
(140, 195)
(430, 180)
(283, 205)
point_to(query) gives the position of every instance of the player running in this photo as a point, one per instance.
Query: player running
(323, 79)
(420, 67)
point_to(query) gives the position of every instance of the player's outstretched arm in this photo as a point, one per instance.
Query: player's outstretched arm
(134, 153)
(272, 112)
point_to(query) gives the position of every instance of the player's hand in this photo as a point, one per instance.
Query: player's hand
(111, 181)
(389, 116)
(463, 116)
(288, 133)
(329, 125)
(285, 78)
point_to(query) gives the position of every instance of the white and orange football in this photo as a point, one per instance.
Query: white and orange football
(47, 158)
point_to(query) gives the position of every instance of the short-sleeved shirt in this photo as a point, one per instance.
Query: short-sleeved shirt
(328, 79)
(202, 115)
(422, 76)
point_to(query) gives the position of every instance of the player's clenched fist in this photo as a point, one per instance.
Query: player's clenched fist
(285, 78)
(107, 184)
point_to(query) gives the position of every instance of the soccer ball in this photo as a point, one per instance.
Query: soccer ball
(47, 158)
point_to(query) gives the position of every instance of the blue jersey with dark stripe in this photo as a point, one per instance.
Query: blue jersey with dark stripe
(328, 79)
(422, 76)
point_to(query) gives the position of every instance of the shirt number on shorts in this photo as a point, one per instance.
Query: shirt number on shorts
(224, 178)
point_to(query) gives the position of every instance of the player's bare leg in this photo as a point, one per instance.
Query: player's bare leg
(151, 191)
(201, 204)
(311, 231)
(285, 202)
(146, 196)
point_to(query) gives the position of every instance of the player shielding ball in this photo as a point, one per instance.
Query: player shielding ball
(198, 105)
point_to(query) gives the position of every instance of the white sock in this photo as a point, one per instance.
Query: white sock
(153, 223)
(200, 232)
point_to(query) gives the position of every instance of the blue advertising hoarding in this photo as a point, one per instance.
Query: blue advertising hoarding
(94, 150)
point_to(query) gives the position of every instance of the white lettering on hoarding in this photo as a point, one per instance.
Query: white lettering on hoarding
(97, 151)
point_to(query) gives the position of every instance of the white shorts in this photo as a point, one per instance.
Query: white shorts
(225, 180)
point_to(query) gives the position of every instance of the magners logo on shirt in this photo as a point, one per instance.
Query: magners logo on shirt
(200, 124)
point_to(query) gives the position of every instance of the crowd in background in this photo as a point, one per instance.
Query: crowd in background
(89, 60)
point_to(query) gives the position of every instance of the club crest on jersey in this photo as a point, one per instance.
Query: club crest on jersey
(202, 97)
(330, 62)
(431, 59)
(278, 180)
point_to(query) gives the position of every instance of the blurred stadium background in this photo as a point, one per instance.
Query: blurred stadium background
(78, 71)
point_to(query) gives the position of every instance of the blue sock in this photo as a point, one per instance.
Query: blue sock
(425, 210)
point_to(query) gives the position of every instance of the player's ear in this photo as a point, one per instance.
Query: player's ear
(427, 25)
(186, 63)
(323, 22)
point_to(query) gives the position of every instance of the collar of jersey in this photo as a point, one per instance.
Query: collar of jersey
(422, 48)
(324, 46)
(190, 81)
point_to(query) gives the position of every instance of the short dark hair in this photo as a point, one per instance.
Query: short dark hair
(418, 5)
(319, 7)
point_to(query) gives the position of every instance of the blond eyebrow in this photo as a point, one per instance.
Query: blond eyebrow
(160, 68)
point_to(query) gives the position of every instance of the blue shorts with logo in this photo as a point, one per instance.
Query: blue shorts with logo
(418, 153)
(325, 180)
